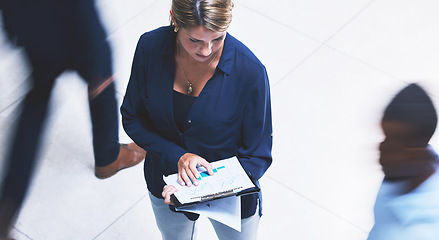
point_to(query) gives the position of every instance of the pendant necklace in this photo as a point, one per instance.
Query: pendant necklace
(190, 89)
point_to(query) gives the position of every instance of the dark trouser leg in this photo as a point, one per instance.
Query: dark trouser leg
(103, 109)
(103, 105)
(25, 143)
(95, 66)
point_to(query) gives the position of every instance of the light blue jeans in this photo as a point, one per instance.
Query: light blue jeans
(176, 226)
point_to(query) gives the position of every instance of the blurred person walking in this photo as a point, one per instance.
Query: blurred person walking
(59, 36)
(407, 204)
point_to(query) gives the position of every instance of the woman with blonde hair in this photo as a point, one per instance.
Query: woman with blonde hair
(197, 95)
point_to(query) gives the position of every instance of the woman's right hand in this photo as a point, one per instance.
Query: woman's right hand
(168, 190)
(187, 169)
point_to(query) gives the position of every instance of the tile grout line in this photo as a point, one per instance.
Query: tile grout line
(361, 61)
(319, 205)
(18, 100)
(123, 214)
(280, 23)
(375, 68)
(294, 30)
(340, 52)
(349, 21)
(22, 233)
(298, 65)
(324, 43)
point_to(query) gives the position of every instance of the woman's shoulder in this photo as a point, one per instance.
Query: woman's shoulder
(242, 52)
(241, 63)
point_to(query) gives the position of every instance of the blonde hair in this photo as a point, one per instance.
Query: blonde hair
(215, 15)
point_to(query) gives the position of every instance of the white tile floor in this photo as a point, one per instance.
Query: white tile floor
(333, 67)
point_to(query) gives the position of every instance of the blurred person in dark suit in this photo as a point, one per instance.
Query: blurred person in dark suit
(58, 36)
(407, 205)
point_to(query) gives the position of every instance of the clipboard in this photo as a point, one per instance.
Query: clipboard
(225, 194)
(229, 179)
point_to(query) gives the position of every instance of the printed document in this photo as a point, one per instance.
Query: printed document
(224, 210)
(215, 196)
(229, 179)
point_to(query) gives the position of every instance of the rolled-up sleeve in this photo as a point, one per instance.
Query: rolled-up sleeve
(255, 150)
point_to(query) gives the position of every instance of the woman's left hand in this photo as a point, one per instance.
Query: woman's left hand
(168, 190)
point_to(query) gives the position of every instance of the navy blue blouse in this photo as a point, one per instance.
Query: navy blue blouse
(230, 117)
(182, 104)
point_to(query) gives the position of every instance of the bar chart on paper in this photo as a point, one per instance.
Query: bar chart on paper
(205, 174)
